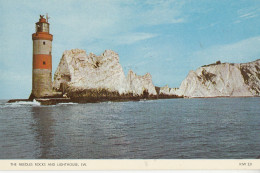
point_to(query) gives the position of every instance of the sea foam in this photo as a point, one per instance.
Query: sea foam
(23, 103)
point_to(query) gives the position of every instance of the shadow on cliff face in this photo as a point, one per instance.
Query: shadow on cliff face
(145, 94)
(207, 76)
(246, 74)
(250, 77)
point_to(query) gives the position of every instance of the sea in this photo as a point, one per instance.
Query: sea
(198, 128)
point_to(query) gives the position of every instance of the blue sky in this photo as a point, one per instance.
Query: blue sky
(164, 38)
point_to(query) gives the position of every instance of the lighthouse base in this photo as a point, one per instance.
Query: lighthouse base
(42, 83)
(53, 99)
(51, 95)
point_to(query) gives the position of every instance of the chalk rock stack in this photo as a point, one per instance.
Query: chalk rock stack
(102, 78)
(140, 84)
(81, 71)
(222, 80)
(167, 91)
(82, 75)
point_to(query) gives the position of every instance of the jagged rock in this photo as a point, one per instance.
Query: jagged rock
(79, 71)
(140, 84)
(167, 91)
(96, 78)
(173, 91)
(222, 79)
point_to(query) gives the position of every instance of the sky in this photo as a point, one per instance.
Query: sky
(165, 38)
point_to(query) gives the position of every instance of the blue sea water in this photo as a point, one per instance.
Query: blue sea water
(205, 128)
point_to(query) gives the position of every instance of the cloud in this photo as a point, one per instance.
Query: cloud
(103, 19)
(242, 51)
(134, 37)
(248, 13)
(237, 21)
(162, 12)
(209, 25)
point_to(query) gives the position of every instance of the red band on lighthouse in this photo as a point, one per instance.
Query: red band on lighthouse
(42, 36)
(42, 61)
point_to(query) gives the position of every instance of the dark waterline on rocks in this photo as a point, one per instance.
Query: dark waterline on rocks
(209, 128)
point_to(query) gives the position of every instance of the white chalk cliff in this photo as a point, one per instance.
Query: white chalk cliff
(139, 84)
(80, 71)
(222, 79)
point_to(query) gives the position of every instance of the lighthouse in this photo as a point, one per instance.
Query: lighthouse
(42, 59)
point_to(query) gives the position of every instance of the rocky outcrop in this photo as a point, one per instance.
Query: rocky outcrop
(222, 80)
(99, 78)
(166, 92)
(80, 71)
(140, 85)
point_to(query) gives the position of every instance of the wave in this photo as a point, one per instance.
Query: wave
(22, 103)
(69, 103)
(144, 100)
